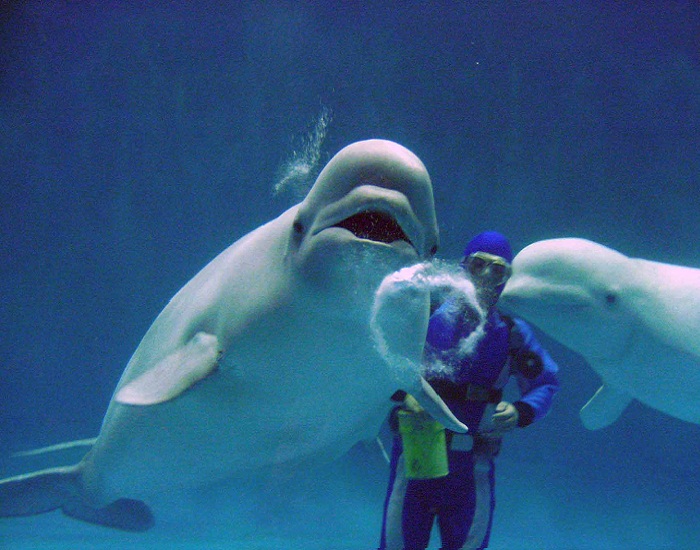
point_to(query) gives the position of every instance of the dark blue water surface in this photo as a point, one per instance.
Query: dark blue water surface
(138, 141)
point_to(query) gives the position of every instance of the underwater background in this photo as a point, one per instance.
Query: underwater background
(138, 141)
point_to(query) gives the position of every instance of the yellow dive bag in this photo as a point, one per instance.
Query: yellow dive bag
(424, 445)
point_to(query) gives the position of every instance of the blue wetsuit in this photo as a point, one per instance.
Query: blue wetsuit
(463, 501)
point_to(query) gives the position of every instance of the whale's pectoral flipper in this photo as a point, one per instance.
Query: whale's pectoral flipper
(604, 408)
(59, 488)
(175, 373)
(436, 407)
(38, 492)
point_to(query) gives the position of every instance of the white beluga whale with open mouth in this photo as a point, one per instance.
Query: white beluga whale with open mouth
(266, 357)
(636, 322)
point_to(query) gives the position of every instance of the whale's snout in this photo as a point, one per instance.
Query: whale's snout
(374, 191)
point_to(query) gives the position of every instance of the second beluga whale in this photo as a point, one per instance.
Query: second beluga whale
(635, 321)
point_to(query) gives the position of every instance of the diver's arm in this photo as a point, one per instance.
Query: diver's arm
(537, 392)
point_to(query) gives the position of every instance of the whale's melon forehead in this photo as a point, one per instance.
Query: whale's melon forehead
(383, 191)
(373, 162)
(566, 258)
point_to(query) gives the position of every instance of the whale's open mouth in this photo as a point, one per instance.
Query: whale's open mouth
(374, 226)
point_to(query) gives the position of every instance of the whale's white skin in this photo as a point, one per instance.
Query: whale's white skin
(266, 357)
(636, 322)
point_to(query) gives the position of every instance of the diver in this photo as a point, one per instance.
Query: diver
(436, 473)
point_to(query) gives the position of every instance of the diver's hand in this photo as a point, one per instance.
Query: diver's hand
(411, 404)
(505, 419)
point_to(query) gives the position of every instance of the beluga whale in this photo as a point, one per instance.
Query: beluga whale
(266, 357)
(635, 321)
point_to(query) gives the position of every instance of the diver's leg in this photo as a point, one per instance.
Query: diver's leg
(419, 512)
(465, 522)
(392, 535)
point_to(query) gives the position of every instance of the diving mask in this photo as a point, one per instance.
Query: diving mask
(487, 267)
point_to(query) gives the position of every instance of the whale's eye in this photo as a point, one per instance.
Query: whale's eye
(298, 226)
(433, 250)
(610, 299)
(374, 226)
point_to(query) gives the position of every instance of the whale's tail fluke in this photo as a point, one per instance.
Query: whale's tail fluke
(66, 445)
(60, 488)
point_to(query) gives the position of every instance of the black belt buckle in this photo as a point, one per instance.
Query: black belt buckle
(488, 447)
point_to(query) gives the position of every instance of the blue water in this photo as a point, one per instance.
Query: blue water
(138, 142)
